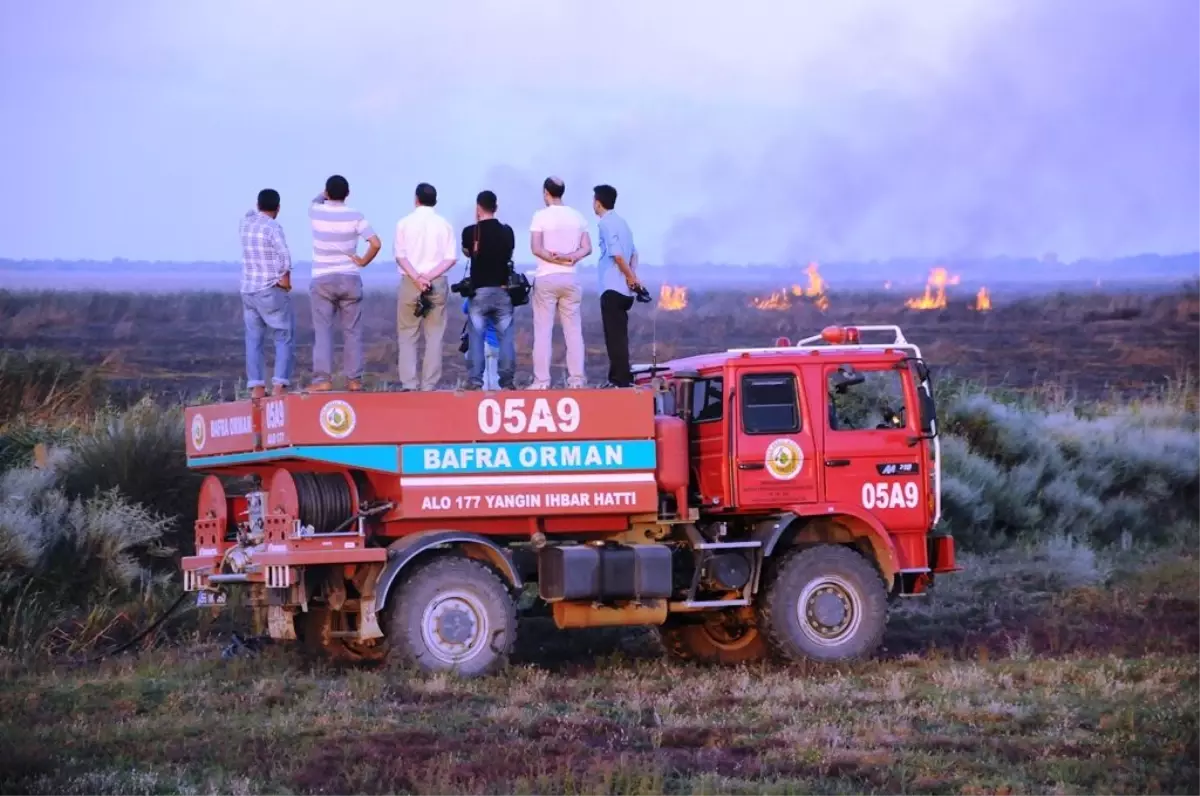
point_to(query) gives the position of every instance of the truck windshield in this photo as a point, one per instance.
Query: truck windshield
(866, 399)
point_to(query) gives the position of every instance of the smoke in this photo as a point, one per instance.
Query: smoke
(1066, 127)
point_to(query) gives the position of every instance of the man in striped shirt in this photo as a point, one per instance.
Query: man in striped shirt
(266, 283)
(336, 288)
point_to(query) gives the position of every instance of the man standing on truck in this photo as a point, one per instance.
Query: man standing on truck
(489, 243)
(266, 283)
(559, 239)
(617, 268)
(336, 287)
(424, 250)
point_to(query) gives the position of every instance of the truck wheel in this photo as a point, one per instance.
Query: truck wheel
(716, 640)
(824, 603)
(453, 614)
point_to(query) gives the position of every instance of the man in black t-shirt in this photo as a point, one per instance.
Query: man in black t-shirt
(489, 243)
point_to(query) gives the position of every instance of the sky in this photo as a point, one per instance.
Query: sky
(735, 132)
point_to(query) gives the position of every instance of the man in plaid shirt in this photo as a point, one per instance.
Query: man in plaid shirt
(266, 282)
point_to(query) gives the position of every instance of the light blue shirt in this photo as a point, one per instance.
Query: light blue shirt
(615, 238)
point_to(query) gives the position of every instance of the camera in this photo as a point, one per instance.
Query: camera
(463, 287)
(424, 303)
(641, 294)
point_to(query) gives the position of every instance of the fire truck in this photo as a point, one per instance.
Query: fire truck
(752, 503)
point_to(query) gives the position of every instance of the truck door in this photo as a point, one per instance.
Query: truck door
(773, 444)
(872, 457)
(708, 441)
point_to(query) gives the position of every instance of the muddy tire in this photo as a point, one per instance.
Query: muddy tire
(452, 614)
(711, 642)
(825, 603)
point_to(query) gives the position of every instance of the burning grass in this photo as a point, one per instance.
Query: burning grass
(1094, 343)
(1013, 715)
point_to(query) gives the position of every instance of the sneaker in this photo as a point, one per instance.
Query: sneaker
(354, 385)
(320, 386)
(258, 392)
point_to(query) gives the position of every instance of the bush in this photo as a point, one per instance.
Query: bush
(140, 453)
(46, 387)
(61, 556)
(1105, 474)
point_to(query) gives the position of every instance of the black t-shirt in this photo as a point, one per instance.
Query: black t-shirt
(489, 265)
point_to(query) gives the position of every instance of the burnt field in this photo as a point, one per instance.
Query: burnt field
(1091, 344)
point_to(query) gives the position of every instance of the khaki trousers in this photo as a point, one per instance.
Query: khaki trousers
(559, 292)
(432, 327)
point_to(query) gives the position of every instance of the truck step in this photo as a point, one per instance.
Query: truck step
(698, 604)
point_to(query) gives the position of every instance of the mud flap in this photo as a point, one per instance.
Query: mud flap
(280, 624)
(365, 580)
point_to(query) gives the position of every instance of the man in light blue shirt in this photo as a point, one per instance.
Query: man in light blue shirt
(617, 269)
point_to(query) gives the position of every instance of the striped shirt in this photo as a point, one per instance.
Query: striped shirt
(265, 255)
(336, 229)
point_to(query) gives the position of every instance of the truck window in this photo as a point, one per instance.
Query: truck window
(769, 404)
(707, 399)
(867, 400)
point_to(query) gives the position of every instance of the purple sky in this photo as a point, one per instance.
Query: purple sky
(747, 131)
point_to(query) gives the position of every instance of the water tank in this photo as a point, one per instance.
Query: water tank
(671, 448)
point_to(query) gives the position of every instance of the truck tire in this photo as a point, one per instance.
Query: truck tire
(823, 603)
(452, 614)
(710, 642)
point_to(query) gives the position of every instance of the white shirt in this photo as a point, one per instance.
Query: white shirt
(562, 229)
(425, 239)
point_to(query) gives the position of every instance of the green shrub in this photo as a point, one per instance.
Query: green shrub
(1104, 474)
(140, 452)
(63, 558)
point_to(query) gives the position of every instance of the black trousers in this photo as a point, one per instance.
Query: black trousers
(614, 312)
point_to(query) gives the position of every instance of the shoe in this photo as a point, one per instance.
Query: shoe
(473, 385)
(354, 385)
(320, 386)
(258, 392)
(279, 389)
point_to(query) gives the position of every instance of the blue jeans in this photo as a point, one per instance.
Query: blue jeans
(270, 308)
(491, 303)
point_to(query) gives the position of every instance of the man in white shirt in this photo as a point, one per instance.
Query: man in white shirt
(559, 239)
(425, 249)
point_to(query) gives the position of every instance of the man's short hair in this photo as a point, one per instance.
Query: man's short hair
(337, 188)
(606, 195)
(426, 194)
(555, 187)
(268, 200)
(486, 201)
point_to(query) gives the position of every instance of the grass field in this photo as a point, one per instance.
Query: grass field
(1065, 658)
(1085, 683)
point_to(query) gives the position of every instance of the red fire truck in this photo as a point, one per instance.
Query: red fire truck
(749, 503)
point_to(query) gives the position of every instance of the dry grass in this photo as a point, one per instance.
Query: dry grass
(1113, 712)
(1095, 343)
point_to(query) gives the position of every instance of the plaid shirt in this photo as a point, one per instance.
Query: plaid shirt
(265, 255)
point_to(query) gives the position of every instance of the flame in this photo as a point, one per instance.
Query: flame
(782, 299)
(672, 298)
(983, 300)
(779, 300)
(934, 297)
